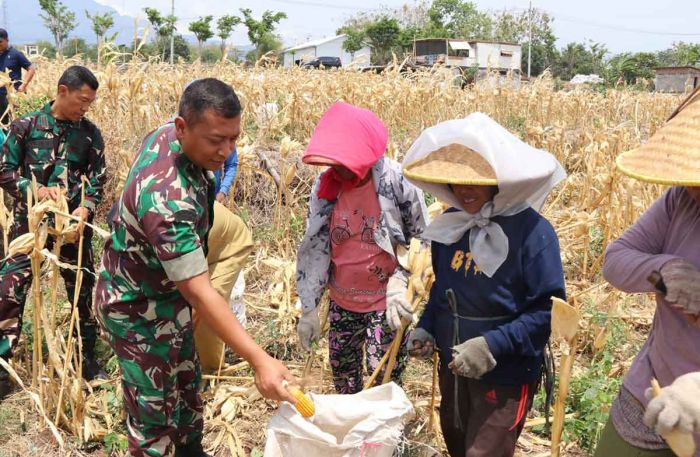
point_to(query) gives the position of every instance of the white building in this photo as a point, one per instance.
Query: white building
(482, 55)
(327, 47)
(31, 50)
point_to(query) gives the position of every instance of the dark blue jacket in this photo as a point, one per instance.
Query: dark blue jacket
(15, 61)
(512, 310)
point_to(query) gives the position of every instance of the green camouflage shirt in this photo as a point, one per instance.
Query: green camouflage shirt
(56, 153)
(159, 237)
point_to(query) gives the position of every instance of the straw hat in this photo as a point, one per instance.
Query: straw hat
(452, 164)
(672, 154)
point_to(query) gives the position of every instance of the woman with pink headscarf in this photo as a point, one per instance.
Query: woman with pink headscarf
(361, 210)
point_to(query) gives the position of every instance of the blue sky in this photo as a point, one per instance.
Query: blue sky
(623, 25)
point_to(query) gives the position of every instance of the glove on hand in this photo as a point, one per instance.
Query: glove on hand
(420, 343)
(677, 407)
(472, 359)
(682, 280)
(308, 329)
(397, 304)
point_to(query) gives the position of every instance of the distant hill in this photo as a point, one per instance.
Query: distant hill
(24, 24)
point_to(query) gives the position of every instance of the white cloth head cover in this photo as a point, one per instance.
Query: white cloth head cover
(525, 175)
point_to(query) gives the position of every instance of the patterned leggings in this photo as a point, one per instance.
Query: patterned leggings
(351, 333)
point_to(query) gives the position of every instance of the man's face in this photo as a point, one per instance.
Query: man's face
(74, 104)
(4, 44)
(209, 141)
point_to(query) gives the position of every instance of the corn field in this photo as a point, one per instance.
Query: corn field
(584, 129)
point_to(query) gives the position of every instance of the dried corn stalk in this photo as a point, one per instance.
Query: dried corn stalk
(565, 320)
(417, 262)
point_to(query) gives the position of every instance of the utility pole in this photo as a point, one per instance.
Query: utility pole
(4, 14)
(172, 34)
(529, 40)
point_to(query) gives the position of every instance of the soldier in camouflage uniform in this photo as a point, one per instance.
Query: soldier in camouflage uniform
(154, 271)
(57, 146)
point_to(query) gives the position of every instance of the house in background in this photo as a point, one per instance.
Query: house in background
(484, 57)
(30, 50)
(327, 47)
(677, 79)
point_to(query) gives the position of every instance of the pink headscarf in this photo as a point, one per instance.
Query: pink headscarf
(346, 135)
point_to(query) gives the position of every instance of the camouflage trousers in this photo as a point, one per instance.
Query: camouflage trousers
(16, 277)
(352, 334)
(160, 380)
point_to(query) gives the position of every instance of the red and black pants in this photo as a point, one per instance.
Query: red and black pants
(491, 416)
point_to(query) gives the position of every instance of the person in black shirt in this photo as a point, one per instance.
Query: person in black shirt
(13, 61)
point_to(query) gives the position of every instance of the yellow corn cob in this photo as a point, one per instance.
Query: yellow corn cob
(304, 404)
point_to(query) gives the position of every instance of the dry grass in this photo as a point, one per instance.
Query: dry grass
(585, 130)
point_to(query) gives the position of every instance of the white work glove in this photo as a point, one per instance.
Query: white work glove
(397, 304)
(677, 407)
(421, 344)
(472, 359)
(308, 329)
(682, 280)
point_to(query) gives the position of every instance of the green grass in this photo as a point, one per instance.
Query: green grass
(592, 389)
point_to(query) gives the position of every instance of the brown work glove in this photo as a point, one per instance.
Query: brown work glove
(682, 280)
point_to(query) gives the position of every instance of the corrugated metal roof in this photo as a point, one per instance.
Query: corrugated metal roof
(469, 41)
(459, 45)
(313, 44)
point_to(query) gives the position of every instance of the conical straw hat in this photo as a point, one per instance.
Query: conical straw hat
(672, 154)
(452, 164)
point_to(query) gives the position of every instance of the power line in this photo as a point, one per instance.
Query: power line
(602, 25)
(620, 28)
(324, 5)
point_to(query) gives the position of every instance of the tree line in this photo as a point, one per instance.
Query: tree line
(389, 31)
(61, 21)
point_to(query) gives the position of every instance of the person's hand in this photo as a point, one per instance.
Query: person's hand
(677, 407)
(682, 280)
(308, 329)
(221, 198)
(472, 359)
(83, 213)
(398, 307)
(694, 319)
(269, 376)
(53, 193)
(22, 88)
(421, 344)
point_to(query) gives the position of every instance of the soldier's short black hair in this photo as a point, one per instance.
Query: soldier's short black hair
(76, 76)
(3, 34)
(208, 93)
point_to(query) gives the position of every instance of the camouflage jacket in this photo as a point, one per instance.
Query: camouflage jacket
(404, 216)
(159, 237)
(56, 153)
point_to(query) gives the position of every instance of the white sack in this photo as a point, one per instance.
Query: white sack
(367, 424)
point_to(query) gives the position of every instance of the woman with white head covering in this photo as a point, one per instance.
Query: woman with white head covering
(497, 265)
